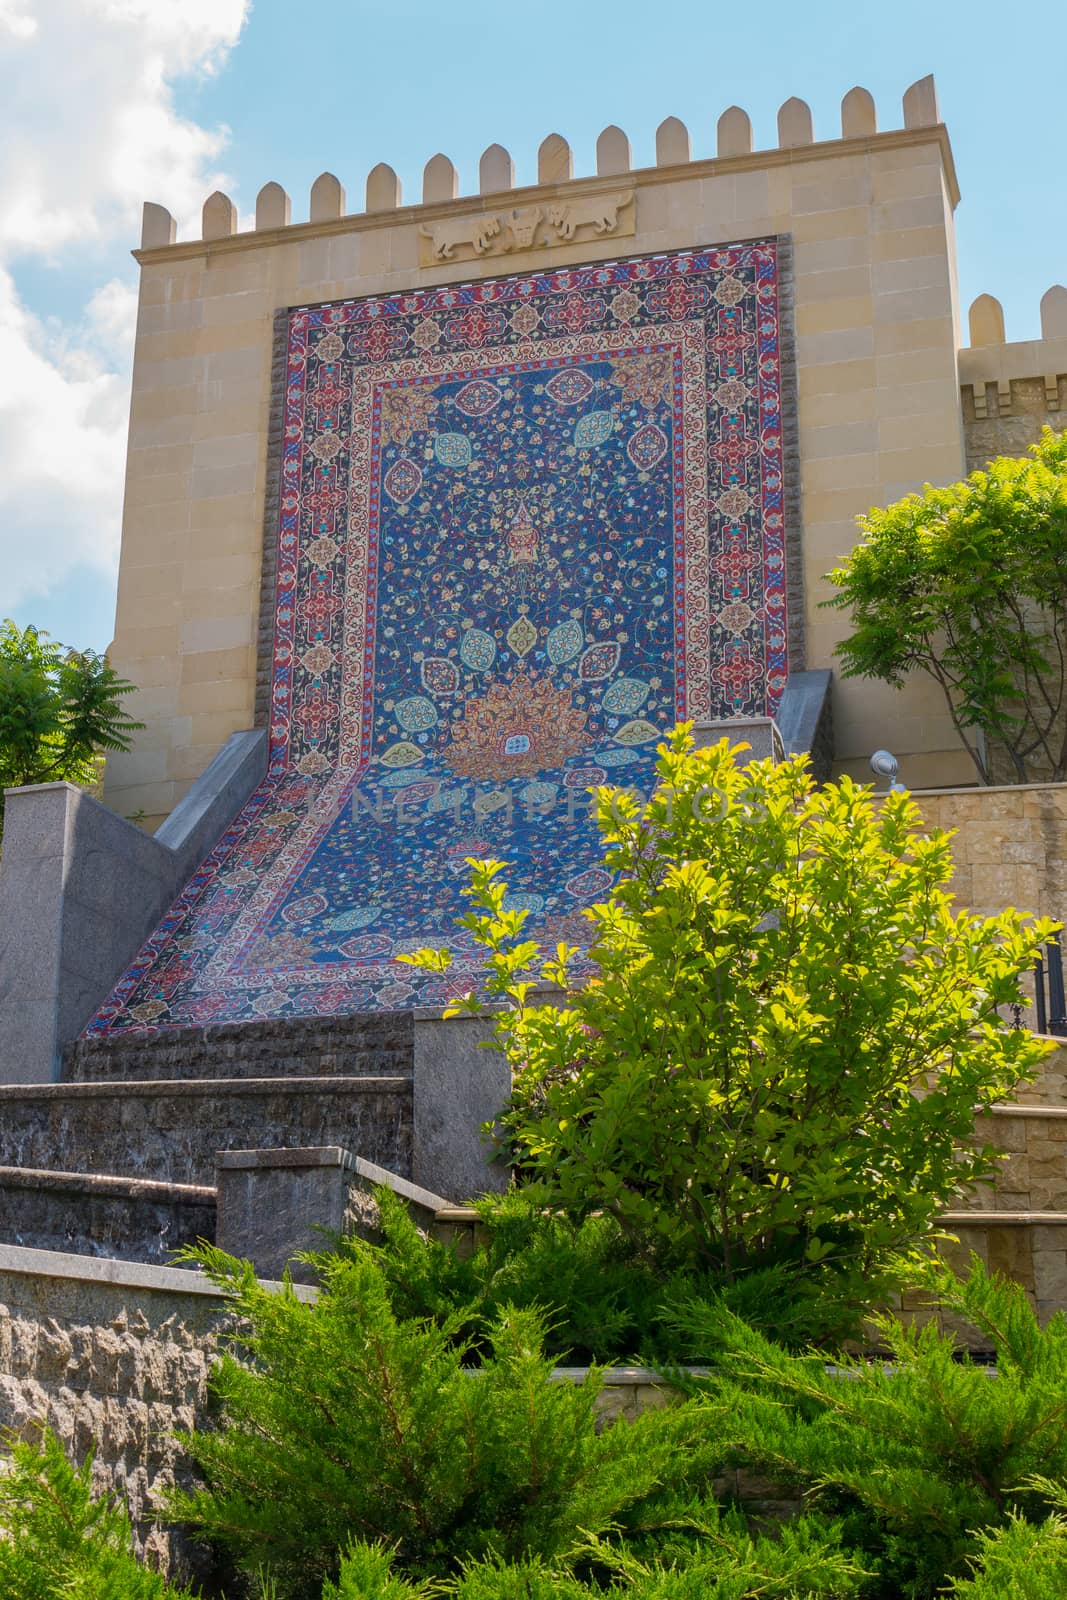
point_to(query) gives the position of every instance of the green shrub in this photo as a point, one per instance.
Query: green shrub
(341, 1421)
(600, 1294)
(777, 971)
(58, 1539)
(919, 1454)
(804, 1562)
(1022, 1560)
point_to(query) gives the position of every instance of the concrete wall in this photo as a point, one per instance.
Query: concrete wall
(870, 217)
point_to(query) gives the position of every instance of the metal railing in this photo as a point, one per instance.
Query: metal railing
(1050, 1004)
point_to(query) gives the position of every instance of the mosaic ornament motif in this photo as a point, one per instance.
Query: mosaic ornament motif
(524, 902)
(570, 388)
(638, 732)
(625, 696)
(593, 429)
(478, 650)
(477, 399)
(401, 754)
(564, 642)
(599, 661)
(452, 449)
(647, 446)
(521, 637)
(439, 676)
(416, 714)
(616, 758)
(402, 481)
(525, 525)
(584, 885)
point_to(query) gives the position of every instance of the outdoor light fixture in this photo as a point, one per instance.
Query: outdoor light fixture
(884, 764)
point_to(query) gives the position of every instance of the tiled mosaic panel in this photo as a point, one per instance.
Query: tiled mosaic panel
(525, 526)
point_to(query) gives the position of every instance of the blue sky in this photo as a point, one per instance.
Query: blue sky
(108, 102)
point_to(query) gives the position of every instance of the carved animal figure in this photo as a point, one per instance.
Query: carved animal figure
(523, 226)
(600, 212)
(475, 231)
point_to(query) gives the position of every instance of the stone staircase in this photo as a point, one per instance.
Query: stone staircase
(118, 1159)
(1017, 1224)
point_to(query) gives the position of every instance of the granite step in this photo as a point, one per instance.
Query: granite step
(169, 1131)
(372, 1044)
(126, 1219)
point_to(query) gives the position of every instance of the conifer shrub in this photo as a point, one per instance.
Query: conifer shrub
(1021, 1561)
(773, 1055)
(58, 1539)
(923, 1454)
(601, 1296)
(341, 1421)
(803, 1562)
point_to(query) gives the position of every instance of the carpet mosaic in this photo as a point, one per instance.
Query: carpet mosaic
(526, 525)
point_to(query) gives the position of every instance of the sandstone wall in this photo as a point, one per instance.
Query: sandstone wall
(870, 219)
(1010, 847)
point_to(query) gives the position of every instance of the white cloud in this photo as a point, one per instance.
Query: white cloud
(88, 130)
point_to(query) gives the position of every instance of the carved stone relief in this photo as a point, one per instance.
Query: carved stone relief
(495, 233)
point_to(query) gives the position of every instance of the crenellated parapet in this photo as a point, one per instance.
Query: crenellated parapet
(555, 171)
(1019, 378)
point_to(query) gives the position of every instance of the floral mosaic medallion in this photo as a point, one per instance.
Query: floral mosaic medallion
(510, 557)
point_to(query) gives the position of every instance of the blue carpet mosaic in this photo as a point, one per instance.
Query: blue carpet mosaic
(526, 525)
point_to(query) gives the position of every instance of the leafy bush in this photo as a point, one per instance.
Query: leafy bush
(919, 1455)
(58, 1539)
(777, 1058)
(341, 1421)
(968, 584)
(59, 711)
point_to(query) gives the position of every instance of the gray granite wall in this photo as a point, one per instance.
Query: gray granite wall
(170, 1132)
(126, 1218)
(80, 890)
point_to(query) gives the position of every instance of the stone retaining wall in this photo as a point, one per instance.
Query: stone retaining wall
(378, 1044)
(1010, 847)
(125, 1218)
(113, 1357)
(170, 1132)
(1033, 1175)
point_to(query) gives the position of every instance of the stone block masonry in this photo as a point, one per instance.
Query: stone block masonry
(376, 1045)
(114, 1358)
(170, 1132)
(1010, 845)
(130, 1219)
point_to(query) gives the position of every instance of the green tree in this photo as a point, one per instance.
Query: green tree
(968, 584)
(778, 1055)
(60, 711)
